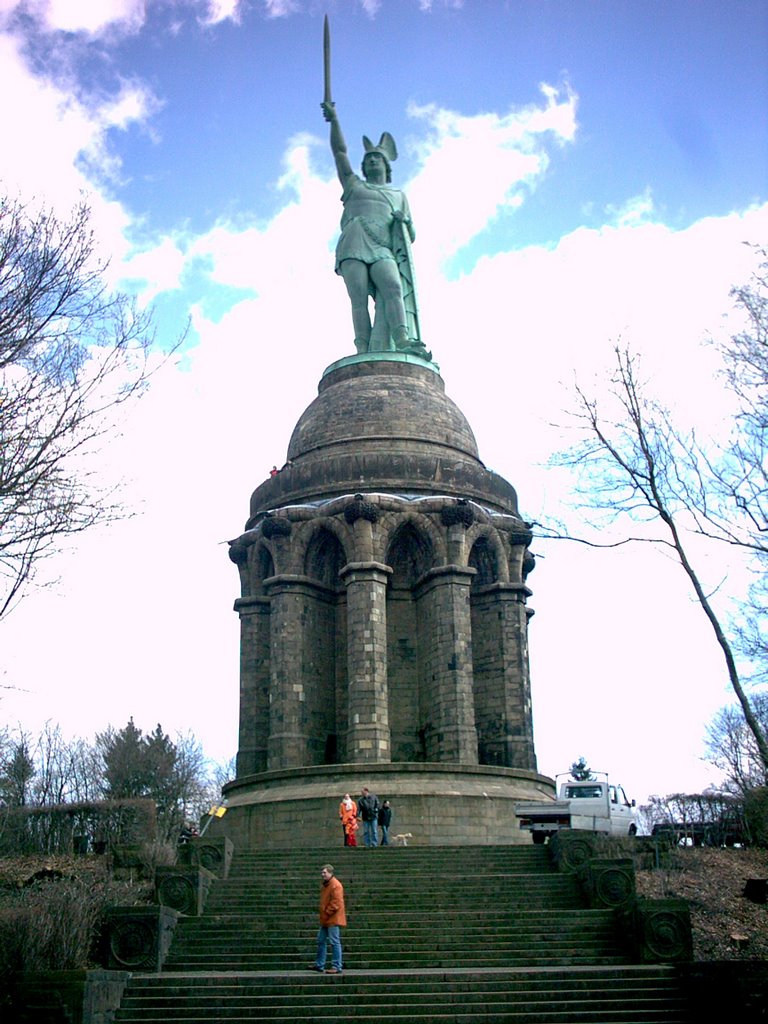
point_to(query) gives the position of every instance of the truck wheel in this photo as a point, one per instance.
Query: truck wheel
(539, 838)
(633, 829)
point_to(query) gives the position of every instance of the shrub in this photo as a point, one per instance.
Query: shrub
(61, 828)
(51, 923)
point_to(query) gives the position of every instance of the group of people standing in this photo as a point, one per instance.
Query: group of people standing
(333, 916)
(373, 815)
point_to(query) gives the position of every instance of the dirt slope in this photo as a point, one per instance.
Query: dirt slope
(726, 926)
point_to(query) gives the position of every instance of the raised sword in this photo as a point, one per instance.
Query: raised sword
(327, 61)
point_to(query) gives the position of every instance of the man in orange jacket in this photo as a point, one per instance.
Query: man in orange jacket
(332, 918)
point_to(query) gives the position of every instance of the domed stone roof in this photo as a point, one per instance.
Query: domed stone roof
(383, 405)
(382, 425)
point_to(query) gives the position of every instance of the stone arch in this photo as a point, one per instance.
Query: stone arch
(482, 558)
(324, 557)
(410, 552)
(488, 555)
(392, 523)
(262, 566)
(304, 534)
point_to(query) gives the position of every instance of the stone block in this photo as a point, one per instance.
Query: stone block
(609, 883)
(214, 853)
(137, 938)
(183, 888)
(660, 931)
(572, 849)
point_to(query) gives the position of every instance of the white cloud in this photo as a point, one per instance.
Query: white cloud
(222, 10)
(159, 269)
(281, 8)
(88, 16)
(479, 165)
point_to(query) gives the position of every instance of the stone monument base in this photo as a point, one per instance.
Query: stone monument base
(437, 804)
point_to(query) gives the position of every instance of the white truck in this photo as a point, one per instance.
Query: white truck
(594, 805)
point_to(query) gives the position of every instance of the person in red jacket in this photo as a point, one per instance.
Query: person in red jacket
(332, 918)
(348, 815)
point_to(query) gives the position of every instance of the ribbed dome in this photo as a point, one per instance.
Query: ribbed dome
(382, 425)
(383, 405)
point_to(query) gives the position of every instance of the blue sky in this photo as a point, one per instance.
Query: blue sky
(577, 171)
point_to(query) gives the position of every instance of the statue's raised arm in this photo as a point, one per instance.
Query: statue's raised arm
(338, 145)
(373, 254)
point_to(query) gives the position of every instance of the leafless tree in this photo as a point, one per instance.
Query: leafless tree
(730, 746)
(636, 466)
(72, 353)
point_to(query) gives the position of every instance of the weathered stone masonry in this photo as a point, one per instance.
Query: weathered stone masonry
(380, 626)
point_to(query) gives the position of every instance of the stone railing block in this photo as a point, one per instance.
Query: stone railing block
(572, 850)
(214, 853)
(609, 883)
(184, 889)
(137, 938)
(660, 931)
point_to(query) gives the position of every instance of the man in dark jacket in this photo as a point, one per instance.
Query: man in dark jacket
(368, 810)
(385, 820)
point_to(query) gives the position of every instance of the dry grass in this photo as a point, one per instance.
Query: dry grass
(726, 926)
(51, 908)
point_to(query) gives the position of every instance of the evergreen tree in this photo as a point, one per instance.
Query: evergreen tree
(17, 773)
(580, 770)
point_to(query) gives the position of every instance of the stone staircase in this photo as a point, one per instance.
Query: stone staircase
(436, 934)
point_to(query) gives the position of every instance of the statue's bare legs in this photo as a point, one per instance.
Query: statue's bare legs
(386, 280)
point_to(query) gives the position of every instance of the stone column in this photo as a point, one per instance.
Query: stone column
(368, 737)
(453, 733)
(288, 742)
(254, 684)
(504, 688)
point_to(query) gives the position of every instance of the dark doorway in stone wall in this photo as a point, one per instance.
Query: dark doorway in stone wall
(331, 749)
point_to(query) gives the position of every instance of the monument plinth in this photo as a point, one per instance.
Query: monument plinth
(383, 622)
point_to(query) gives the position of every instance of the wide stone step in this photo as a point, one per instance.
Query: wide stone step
(486, 918)
(412, 938)
(436, 936)
(445, 961)
(643, 1007)
(595, 994)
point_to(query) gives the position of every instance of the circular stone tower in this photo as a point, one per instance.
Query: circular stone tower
(383, 622)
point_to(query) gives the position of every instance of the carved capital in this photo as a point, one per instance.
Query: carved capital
(359, 508)
(462, 513)
(276, 526)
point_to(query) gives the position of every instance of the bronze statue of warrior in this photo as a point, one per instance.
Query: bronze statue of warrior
(373, 254)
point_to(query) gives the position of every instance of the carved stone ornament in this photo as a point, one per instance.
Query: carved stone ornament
(238, 553)
(462, 512)
(663, 931)
(610, 883)
(138, 938)
(214, 854)
(359, 508)
(178, 892)
(276, 526)
(133, 944)
(572, 850)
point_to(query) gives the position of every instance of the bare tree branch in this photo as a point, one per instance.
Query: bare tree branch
(636, 466)
(71, 355)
